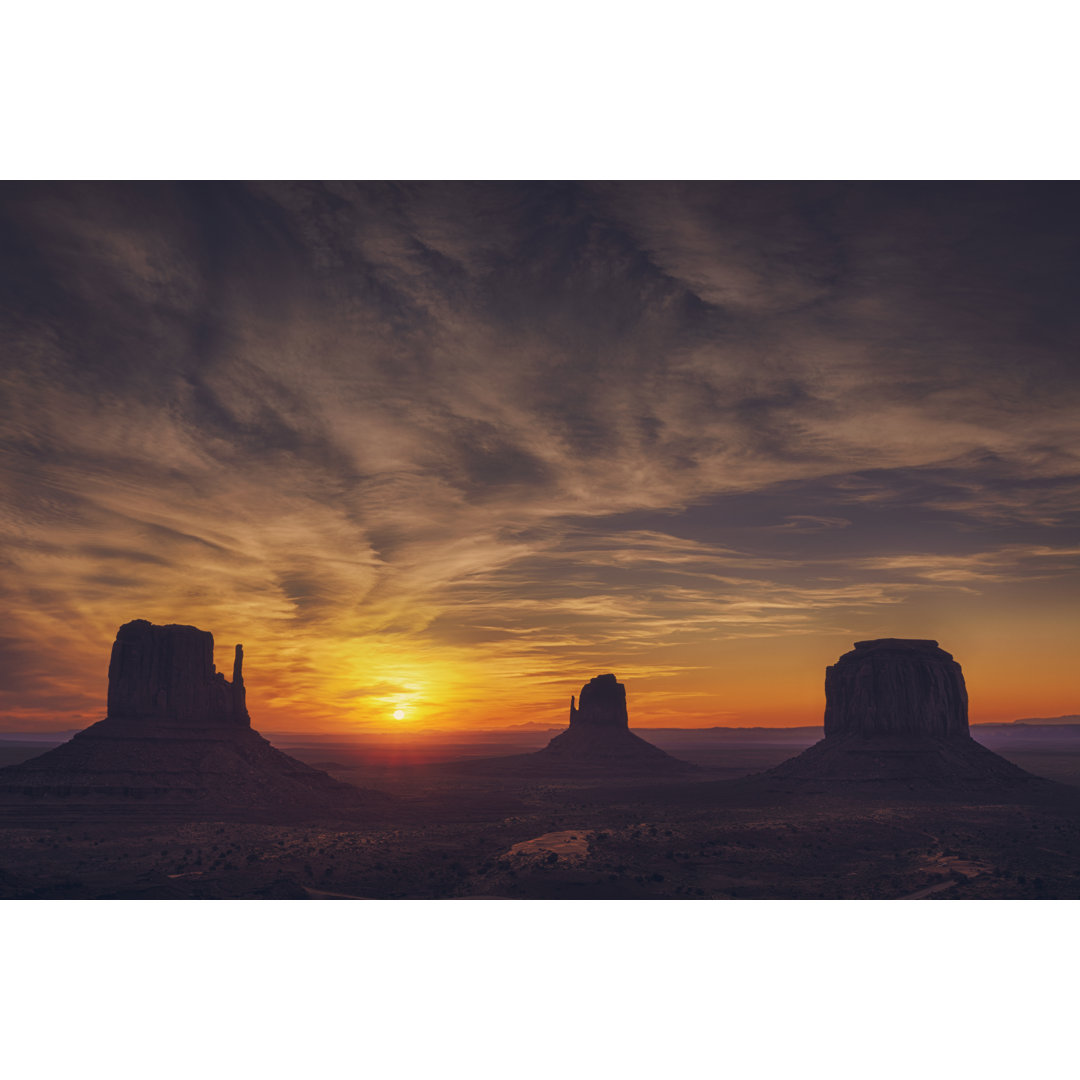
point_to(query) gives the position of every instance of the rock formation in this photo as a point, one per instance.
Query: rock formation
(598, 740)
(167, 673)
(895, 686)
(176, 733)
(896, 709)
(603, 704)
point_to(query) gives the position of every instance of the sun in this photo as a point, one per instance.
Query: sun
(399, 714)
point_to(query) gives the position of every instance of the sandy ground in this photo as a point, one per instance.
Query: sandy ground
(442, 836)
(569, 845)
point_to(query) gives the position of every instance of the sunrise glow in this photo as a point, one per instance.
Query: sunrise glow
(444, 453)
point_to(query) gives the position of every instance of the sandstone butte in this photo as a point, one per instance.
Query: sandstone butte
(176, 732)
(896, 709)
(599, 735)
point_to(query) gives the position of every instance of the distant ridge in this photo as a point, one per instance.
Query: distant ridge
(1073, 719)
(52, 737)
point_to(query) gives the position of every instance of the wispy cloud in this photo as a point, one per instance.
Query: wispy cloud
(1015, 562)
(413, 442)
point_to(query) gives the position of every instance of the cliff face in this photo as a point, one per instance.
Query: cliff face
(167, 673)
(895, 686)
(602, 704)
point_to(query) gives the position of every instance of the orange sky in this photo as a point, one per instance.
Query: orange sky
(341, 684)
(454, 449)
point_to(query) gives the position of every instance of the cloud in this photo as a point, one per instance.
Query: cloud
(375, 430)
(1014, 562)
(808, 523)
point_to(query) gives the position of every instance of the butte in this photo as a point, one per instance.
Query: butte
(598, 741)
(896, 711)
(176, 734)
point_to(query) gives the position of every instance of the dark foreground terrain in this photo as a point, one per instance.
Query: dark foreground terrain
(445, 833)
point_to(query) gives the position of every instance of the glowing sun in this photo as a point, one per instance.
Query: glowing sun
(399, 714)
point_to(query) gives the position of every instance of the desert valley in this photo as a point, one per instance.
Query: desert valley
(560, 539)
(175, 796)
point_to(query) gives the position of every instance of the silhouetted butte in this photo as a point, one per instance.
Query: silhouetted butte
(896, 709)
(176, 732)
(598, 740)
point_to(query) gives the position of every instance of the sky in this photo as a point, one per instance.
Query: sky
(450, 450)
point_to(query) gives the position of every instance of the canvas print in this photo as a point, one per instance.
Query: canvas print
(540, 541)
